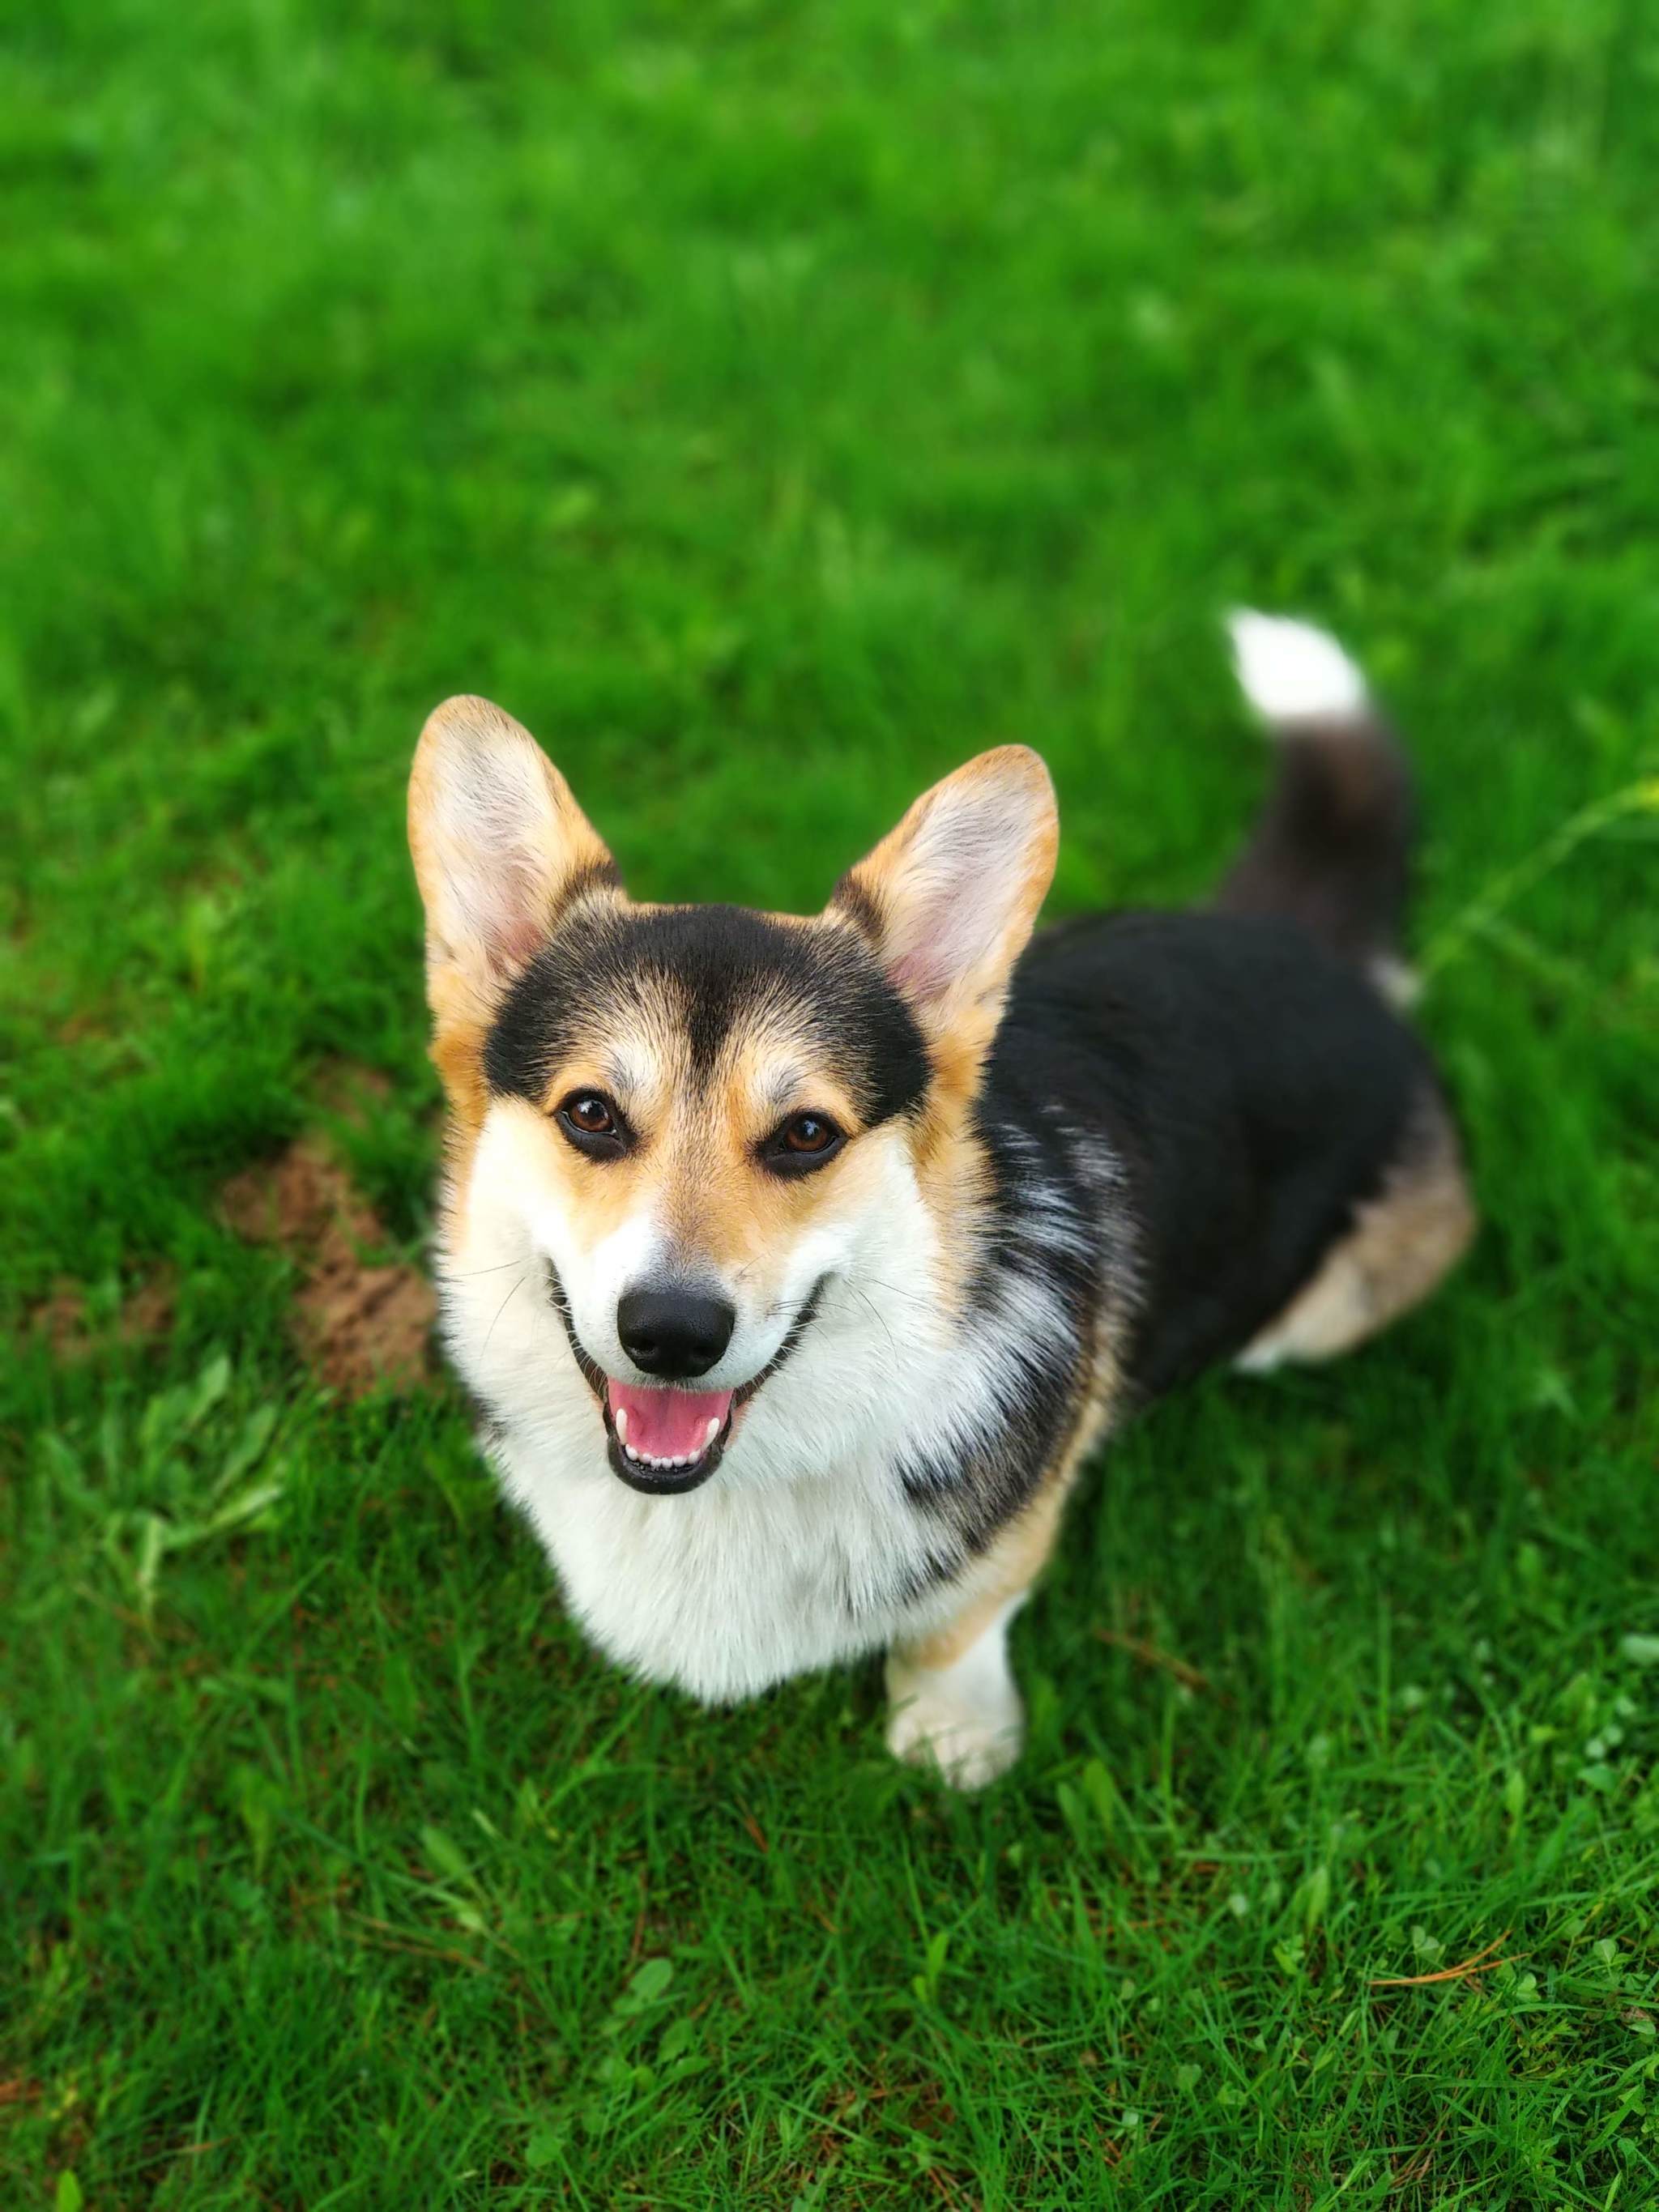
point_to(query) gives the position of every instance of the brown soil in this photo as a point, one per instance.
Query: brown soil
(72, 1334)
(357, 1321)
(349, 1089)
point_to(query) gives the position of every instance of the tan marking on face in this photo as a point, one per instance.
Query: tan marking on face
(637, 1057)
(695, 1171)
(725, 1205)
(458, 1055)
(463, 1013)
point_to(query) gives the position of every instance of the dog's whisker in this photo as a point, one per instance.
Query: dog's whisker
(914, 1297)
(503, 1306)
(859, 1292)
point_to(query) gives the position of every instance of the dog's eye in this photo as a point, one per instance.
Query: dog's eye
(802, 1143)
(593, 1125)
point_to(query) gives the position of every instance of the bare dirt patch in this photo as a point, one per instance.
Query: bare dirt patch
(357, 1321)
(72, 1332)
(351, 1088)
(303, 1200)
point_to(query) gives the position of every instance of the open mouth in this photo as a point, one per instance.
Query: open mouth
(661, 1439)
(664, 1439)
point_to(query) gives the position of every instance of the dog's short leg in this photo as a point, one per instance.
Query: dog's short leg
(1402, 1243)
(954, 1706)
(954, 1703)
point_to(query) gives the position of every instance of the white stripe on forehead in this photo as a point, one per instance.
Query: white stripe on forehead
(645, 1064)
(628, 1064)
(782, 1085)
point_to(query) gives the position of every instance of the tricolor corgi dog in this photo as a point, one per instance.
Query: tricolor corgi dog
(800, 1265)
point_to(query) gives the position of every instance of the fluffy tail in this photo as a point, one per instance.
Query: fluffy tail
(1332, 846)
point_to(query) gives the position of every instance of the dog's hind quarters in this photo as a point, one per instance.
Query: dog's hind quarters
(1403, 1242)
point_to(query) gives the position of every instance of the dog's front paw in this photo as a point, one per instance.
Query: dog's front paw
(969, 1740)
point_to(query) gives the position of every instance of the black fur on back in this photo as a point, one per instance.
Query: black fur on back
(1253, 1086)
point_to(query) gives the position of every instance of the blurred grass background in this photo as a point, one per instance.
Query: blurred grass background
(773, 405)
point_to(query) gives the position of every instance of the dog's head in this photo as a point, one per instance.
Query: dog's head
(704, 1114)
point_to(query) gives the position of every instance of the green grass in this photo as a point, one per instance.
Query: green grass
(773, 405)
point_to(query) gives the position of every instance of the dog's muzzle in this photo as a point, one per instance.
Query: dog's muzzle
(663, 1440)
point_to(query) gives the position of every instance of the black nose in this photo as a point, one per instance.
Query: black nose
(674, 1333)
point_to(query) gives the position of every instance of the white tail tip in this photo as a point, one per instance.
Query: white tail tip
(1291, 671)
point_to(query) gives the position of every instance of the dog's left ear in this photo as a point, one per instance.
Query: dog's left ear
(948, 899)
(498, 843)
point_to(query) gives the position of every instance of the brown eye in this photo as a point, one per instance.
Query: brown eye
(802, 1143)
(594, 1124)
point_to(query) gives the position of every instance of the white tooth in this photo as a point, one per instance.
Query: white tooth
(619, 1421)
(712, 1430)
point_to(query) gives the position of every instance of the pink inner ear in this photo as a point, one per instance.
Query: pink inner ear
(514, 945)
(953, 916)
(517, 911)
(922, 974)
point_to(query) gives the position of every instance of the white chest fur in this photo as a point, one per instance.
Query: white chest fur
(732, 1587)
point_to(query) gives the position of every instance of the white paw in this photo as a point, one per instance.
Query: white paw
(968, 1743)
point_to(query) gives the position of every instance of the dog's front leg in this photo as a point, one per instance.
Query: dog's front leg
(954, 1705)
(953, 1701)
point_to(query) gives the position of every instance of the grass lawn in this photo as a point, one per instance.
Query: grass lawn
(773, 405)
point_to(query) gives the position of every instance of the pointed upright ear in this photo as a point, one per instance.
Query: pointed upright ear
(948, 899)
(499, 845)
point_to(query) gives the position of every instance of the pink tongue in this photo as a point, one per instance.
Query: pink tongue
(667, 1424)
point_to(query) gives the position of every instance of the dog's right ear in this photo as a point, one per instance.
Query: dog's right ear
(499, 846)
